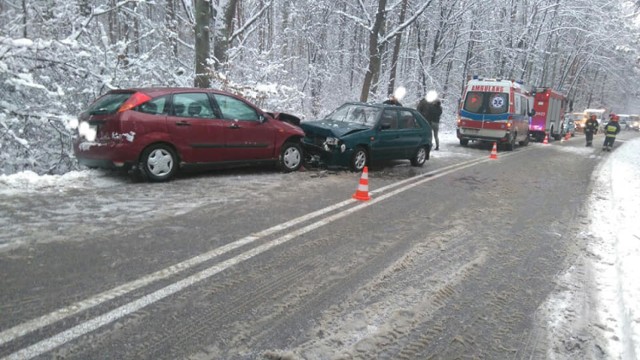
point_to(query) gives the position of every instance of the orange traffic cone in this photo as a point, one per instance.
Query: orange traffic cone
(362, 193)
(546, 139)
(494, 152)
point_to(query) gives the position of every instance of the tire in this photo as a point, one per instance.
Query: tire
(511, 144)
(420, 156)
(159, 163)
(464, 142)
(525, 142)
(291, 157)
(359, 159)
(555, 136)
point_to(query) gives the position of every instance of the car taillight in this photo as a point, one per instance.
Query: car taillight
(135, 100)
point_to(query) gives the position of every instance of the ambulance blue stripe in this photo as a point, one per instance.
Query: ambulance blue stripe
(486, 117)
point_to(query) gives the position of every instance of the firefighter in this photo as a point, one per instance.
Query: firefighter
(591, 128)
(610, 131)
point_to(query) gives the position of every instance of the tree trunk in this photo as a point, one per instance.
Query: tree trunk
(223, 36)
(396, 50)
(25, 18)
(203, 16)
(171, 21)
(113, 22)
(373, 72)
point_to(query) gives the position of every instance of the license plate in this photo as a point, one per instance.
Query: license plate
(471, 131)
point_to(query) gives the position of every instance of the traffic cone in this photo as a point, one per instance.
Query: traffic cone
(362, 193)
(546, 139)
(494, 152)
(567, 136)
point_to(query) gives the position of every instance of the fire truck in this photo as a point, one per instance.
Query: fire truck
(495, 110)
(550, 106)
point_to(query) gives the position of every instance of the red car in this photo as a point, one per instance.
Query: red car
(159, 130)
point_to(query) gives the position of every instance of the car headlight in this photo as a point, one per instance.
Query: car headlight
(332, 141)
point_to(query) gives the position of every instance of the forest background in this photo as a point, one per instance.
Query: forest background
(305, 57)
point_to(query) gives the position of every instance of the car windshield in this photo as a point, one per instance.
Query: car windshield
(486, 102)
(356, 114)
(108, 103)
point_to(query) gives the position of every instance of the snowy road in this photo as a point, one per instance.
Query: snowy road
(456, 259)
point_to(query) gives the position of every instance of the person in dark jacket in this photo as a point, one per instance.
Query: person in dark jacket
(431, 109)
(398, 94)
(610, 131)
(392, 101)
(590, 128)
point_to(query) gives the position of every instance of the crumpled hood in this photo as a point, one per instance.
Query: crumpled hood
(331, 128)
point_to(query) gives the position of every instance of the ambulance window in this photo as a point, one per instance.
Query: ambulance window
(474, 101)
(498, 103)
(522, 105)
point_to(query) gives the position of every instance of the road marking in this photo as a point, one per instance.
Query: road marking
(51, 343)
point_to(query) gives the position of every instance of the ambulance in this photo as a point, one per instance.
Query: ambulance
(495, 110)
(550, 106)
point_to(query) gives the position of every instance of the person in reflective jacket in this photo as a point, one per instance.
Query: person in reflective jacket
(590, 128)
(610, 131)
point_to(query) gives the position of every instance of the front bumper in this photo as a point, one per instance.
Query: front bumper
(326, 155)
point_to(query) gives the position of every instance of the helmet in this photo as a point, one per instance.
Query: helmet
(612, 115)
(615, 117)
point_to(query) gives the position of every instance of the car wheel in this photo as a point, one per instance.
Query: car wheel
(511, 144)
(525, 142)
(159, 162)
(290, 157)
(420, 157)
(464, 142)
(359, 159)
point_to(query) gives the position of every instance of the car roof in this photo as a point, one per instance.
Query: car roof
(378, 105)
(157, 91)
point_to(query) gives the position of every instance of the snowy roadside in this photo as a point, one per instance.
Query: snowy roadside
(595, 314)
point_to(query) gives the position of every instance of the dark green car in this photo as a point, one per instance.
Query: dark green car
(357, 133)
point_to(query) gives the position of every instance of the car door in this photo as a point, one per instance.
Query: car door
(388, 142)
(198, 134)
(411, 134)
(249, 135)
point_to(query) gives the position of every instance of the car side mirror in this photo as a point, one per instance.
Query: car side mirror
(532, 112)
(261, 118)
(385, 126)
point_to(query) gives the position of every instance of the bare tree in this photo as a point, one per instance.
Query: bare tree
(396, 50)
(202, 46)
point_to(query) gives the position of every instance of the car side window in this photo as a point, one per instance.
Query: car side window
(154, 106)
(407, 120)
(390, 117)
(234, 109)
(193, 105)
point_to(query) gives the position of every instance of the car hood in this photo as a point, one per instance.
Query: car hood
(285, 117)
(331, 128)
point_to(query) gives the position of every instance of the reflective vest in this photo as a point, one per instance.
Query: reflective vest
(612, 129)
